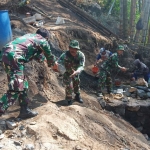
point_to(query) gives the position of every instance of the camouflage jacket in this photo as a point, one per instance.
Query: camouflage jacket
(111, 63)
(26, 48)
(72, 63)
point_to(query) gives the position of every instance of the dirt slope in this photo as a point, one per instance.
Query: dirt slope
(62, 127)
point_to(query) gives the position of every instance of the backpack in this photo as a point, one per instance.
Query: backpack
(139, 25)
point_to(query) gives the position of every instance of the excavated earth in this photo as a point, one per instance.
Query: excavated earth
(58, 126)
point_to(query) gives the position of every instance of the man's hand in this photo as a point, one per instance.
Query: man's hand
(123, 69)
(55, 67)
(74, 73)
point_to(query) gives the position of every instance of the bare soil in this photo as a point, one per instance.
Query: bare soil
(58, 126)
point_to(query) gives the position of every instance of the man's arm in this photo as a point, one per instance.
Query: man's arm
(44, 45)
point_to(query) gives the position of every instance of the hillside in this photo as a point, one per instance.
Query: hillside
(60, 127)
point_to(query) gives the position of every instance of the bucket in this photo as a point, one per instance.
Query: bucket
(5, 28)
(95, 70)
(117, 82)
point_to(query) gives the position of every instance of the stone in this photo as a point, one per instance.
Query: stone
(21, 127)
(141, 93)
(2, 125)
(142, 88)
(2, 136)
(139, 129)
(132, 89)
(1, 146)
(133, 95)
(146, 136)
(11, 125)
(120, 110)
(17, 143)
(133, 108)
(133, 83)
(29, 147)
(33, 123)
(148, 94)
(102, 102)
(127, 93)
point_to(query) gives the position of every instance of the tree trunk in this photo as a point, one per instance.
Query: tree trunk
(132, 19)
(121, 18)
(125, 19)
(145, 21)
(138, 35)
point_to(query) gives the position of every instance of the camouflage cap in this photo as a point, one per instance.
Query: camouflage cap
(74, 44)
(120, 47)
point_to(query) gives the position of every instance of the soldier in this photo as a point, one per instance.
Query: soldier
(73, 60)
(106, 68)
(14, 55)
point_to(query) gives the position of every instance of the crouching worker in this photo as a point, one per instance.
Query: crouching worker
(14, 55)
(106, 69)
(73, 60)
(140, 69)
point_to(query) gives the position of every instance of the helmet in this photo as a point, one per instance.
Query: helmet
(74, 44)
(102, 50)
(43, 32)
(120, 47)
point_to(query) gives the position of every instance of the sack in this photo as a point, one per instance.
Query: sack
(139, 25)
(141, 82)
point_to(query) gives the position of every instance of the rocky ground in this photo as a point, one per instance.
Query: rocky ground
(58, 126)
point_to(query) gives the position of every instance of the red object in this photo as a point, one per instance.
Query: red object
(55, 68)
(117, 82)
(95, 70)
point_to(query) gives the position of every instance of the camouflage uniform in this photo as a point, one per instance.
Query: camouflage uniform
(14, 55)
(105, 73)
(72, 63)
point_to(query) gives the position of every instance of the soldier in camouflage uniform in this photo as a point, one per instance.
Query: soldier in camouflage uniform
(14, 55)
(106, 68)
(74, 61)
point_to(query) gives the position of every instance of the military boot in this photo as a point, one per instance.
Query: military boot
(78, 98)
(1, 112)
(99, 93)
(25, 112)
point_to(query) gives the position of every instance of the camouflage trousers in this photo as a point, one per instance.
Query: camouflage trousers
(71, 85)
(17, 87)
(104, 80)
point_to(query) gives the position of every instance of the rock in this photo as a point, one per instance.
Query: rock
(29, 147)
(133, 95)
(102, 102)
(1, 132)
(127, 93)
(141, 93)
(78, 147)
(2, 125)
(21, 127)
(120, 110)
(11, 125)
(1, 146)
(132, 89)
(133, 108)
(2, 136)
(148, 94)
(146, 136)
(133, 83)
(142, 88)
(139, 129)
(17, 143)
(33, 123)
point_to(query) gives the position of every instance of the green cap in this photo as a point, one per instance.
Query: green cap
(120, 47)
(74, 44)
